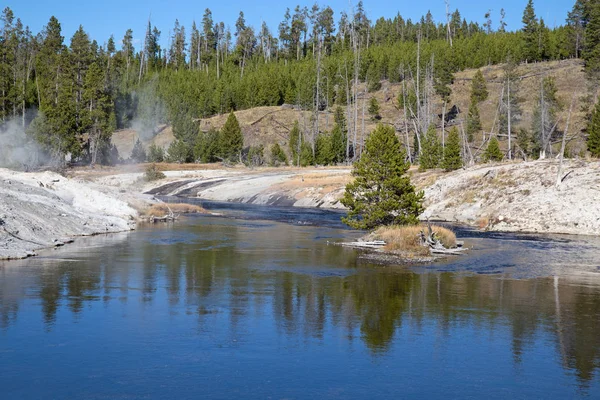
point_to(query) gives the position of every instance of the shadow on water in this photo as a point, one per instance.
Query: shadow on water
(229, 300)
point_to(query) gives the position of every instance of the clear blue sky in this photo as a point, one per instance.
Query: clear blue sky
(103, 18)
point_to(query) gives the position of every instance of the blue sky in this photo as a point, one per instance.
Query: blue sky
(103, 18)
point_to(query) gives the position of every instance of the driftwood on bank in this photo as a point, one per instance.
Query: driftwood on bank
(374, 244)
(165, 218)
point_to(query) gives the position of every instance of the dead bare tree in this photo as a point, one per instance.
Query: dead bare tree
(448, 31)
(564, 140)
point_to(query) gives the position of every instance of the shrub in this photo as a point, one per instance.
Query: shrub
(155, 154)
(254, 156)
(492, 152)
(179, 152)
(278, 156)
(153, 174)
(407, 238)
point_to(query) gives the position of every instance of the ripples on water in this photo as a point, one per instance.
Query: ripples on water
(253, 307)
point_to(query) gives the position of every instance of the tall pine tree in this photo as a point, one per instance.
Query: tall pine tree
(452, 157)
(530, 33)
(231, 138)
(593, 131)
(431, 154)
(381, 193)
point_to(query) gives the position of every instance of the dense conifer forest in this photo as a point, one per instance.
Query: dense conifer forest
(70, 94)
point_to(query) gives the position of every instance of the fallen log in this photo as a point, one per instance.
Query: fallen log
(165, 218)
(375, 244)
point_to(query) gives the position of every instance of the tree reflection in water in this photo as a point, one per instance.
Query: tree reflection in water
(306, 287)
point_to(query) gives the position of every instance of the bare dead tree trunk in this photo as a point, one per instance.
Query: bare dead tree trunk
(448, 31)
(443, 127)
(362, 138)
(418, 92)
(316, 132)
(564, 141)
(348, 102)
(466, 147)
(406, 120)
(509, 121)
(141, 66)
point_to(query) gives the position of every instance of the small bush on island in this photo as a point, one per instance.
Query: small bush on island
(178, 208)
(408, 238)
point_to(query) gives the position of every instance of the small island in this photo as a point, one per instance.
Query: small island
(383, 200)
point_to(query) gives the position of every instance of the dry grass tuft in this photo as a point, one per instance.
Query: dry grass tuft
(482, 222)
(178, 208)
(406, 238)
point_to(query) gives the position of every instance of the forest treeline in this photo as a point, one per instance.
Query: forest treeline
(70, 95)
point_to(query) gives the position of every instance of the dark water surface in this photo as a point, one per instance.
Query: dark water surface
(252, 307)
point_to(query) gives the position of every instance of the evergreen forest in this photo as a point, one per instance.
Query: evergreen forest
(67, 96)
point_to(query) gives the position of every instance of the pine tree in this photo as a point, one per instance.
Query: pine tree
(452, 157)
(179, 152)
(593, 131)
(473, 121)
(338, 144)
(373, 79)
(576, 21)
(138, 154)
(96, 114)
(479, 90)
(381, 193)
(374, 109)
(431, 151)
(231, 137)
(492, 152)
(156, 154)
(530, 33)
(278, 156)
(295, 143)
(306, 155)
(591, 52)
(206, 148)
(324, 154)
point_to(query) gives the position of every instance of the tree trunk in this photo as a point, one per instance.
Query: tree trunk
(564, 140)
(509, 121)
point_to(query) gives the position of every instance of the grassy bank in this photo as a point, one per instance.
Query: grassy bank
(407, 239)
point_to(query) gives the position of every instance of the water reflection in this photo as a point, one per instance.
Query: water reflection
(278, 272)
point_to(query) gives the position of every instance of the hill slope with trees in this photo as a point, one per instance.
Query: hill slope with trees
(69, 95)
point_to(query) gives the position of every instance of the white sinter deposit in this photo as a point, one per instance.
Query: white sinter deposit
(39, 210)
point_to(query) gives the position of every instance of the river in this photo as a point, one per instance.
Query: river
(257, 304)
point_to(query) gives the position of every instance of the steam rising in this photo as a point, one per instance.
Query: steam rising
(17, 149)
(150, 111)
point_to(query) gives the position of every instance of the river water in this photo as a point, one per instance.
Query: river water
(257, 304)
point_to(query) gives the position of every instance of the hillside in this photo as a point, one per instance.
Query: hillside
(267, 125)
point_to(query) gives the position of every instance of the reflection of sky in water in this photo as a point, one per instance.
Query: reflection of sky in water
(222, 308)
